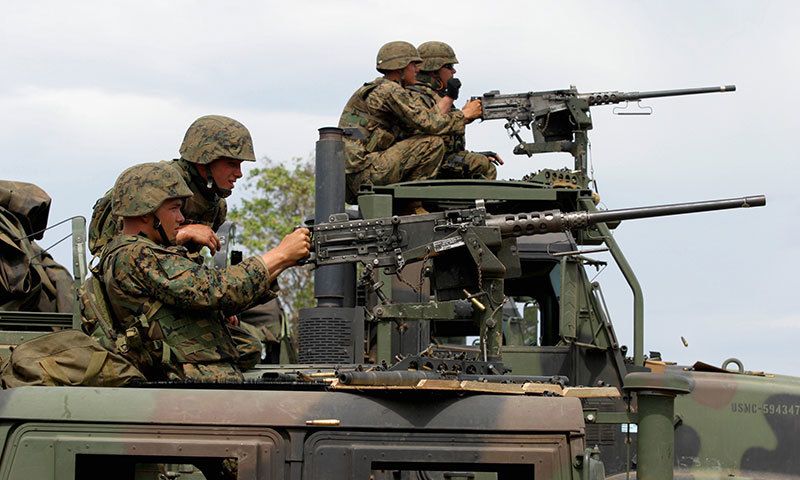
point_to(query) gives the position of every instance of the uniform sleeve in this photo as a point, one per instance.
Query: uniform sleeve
(412, 113)
(176, 280)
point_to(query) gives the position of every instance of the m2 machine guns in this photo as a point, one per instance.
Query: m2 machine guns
(560, 119)
(462, 288)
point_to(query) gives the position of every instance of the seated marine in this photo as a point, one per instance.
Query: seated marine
(211, 156)
(435, 82)
(171, 308)
(391, 136)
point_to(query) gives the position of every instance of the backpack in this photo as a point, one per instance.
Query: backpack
(103, 225)
(97, 322)
(66, 357)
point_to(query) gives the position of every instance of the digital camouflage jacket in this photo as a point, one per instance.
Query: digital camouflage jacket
(173, 308)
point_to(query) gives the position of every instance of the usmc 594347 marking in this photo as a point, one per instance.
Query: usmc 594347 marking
(765, 408)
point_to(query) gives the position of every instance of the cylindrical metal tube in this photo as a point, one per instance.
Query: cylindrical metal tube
(516, 225)
(610, 98)
(656, 436)
(334, 285)
(677, 209)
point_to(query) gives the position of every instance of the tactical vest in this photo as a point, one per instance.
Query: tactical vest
(169, 334)
(377, 133)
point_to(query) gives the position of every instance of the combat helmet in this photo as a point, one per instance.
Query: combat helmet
(395, 56)
(214, 136)
(435, 55)
(141, 189)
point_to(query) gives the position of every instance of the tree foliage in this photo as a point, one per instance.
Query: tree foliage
(279, 197)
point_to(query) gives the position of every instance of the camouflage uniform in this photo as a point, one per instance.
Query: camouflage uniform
(175, 308)
(458, 162)
(208, 138)
(398, 139)
(172, 308)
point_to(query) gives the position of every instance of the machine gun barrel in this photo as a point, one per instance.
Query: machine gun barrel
(555, 221)
(608, 98)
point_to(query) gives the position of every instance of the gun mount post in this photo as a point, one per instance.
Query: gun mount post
(334, 285)
(330, 282)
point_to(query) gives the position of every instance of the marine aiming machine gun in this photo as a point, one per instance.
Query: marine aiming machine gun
(462, 289)
(560, 119)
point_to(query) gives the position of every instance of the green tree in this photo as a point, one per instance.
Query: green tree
(279, 197)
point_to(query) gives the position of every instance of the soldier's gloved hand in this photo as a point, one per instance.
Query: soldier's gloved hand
(472, 110)
(453, 86)
(199, 234)
(492, 156)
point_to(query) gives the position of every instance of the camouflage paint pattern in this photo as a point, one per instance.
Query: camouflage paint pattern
(194, 300)
(286, 434)
(740, 425)
(395, 56)
(214, 136)
(429, 90)
(435, 55)
(141, 189)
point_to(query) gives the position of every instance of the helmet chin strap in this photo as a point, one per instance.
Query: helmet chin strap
(212, 184)
(160, 229)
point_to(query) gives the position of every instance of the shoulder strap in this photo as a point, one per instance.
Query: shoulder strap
(356, 111)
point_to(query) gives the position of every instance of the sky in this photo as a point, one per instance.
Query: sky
(92, 87)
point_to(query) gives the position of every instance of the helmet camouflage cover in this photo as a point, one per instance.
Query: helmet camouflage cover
(396, 55)
(435, 55)
(214, 136)
(141, 189)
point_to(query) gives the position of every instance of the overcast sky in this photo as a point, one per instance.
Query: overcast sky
(91, 87)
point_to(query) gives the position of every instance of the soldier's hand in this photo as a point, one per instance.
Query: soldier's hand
(232, 320)
(199, 234)
(495, 158)
(294, 247)
(297, 245)
(472, 110)
(453, 86)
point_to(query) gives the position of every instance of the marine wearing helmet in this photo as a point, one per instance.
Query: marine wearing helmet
(437, 87)
(391, 136)
(171, 309)
(212, 152)
(140, 191)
